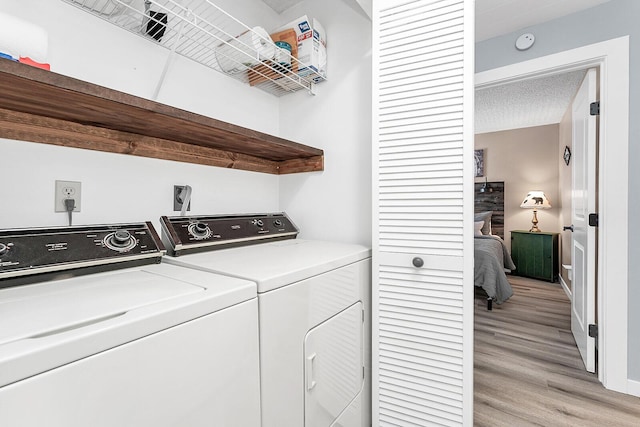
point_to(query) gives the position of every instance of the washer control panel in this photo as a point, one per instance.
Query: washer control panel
(200, 233)
(43, 250)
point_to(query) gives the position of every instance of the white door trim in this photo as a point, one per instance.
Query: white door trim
(612, 56)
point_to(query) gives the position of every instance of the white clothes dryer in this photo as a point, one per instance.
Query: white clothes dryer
(95, 332)
(314, 318)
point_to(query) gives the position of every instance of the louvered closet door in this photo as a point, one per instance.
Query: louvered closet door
(423, 204)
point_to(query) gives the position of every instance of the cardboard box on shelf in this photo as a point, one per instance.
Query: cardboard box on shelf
(312, 45)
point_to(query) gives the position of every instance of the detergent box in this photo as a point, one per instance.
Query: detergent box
(312, 45)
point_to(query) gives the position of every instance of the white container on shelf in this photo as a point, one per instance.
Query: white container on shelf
(247, 50)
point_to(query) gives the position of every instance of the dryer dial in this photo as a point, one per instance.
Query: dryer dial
(199, 230)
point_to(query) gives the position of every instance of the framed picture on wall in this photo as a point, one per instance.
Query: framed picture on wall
(567, 155)
(478, 156)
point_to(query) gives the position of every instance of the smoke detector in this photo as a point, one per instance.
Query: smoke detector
(525, 41)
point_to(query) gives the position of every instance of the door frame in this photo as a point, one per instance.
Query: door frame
(612, 58)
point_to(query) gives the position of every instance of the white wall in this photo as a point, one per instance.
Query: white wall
(564, 187)
(120, 188)
(334, 204)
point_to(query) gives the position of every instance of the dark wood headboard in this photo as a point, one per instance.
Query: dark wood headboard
(492, 199)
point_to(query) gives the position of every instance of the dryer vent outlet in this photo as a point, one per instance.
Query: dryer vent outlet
(178, 198)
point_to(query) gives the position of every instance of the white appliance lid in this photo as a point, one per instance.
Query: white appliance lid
(53, 323)
(275, 264)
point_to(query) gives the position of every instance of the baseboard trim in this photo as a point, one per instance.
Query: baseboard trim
(565, 287)
(633, 387)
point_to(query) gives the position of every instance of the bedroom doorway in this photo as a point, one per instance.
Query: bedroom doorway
(612, 255)
(543, 137)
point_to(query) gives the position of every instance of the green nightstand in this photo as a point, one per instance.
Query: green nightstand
(535, 254)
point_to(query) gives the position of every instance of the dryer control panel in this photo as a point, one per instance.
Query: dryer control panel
(39, 251)
(182, 234)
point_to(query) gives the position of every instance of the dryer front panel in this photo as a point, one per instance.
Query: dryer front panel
(287, 315)
(334, 368)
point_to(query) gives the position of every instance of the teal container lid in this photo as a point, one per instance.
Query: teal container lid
(283, 45)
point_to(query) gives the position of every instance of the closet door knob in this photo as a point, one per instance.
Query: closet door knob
(568, 227)
(417, 262)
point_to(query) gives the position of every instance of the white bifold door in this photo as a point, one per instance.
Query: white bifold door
(423, 212)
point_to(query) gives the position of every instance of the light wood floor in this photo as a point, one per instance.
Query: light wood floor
(528, 371)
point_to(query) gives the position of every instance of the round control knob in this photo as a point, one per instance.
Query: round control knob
(259, 223)
(278, 223)
(199, 230)
(121, 238)
(417, 262)
(3, 249)
(120, 241)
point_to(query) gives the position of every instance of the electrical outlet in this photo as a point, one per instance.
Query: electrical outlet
(178, 198)
(67, 190)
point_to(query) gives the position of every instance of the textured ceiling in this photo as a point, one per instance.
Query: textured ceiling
(527, 103)
(498, 17)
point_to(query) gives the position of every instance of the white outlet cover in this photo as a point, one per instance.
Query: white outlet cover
(525, 41)
(65, 189)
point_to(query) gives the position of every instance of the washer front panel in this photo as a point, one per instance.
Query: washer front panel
(203, 372)
(45, 250)
(46, 325)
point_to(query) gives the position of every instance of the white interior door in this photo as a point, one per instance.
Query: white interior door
(422, 212)
(583, 241)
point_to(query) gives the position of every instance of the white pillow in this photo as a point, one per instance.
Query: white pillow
(486, 217)
(477, 228)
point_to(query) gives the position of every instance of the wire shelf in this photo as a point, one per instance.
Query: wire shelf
(203, 32)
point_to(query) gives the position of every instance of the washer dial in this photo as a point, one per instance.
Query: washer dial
(120, 241)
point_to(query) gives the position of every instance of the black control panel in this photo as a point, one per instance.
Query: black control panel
(36, 251)
(204, 233)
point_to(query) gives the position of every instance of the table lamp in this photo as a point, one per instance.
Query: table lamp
(535, 200)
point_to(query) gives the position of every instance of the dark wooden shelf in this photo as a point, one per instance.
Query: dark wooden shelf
(41, 106)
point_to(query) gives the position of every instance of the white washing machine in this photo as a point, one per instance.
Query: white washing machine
(314, 317)
(94, 331)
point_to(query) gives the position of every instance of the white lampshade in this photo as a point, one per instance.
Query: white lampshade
(536, 200)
